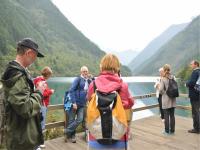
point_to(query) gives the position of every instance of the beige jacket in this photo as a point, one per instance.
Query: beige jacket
(167, 102)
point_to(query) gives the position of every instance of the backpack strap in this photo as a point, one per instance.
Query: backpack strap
(94, 86)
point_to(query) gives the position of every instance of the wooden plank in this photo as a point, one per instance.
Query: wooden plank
(154, 95)
(147, 134)
(55, 124)
(145, 107)
(184, 107)
(61, 106)
(56, 107)
(183, 95)
(145, 96)
(152, 134)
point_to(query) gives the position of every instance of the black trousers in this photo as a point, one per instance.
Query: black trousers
(169, 120)
(160, 106)
(196, 113)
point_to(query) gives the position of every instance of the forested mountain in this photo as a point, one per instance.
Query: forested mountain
(66, 49)
(178, 52)
(153, 47)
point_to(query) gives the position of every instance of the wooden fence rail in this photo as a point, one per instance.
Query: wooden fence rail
(62, 123)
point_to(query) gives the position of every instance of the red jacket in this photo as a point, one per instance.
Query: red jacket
(47, 92)
(108, 82)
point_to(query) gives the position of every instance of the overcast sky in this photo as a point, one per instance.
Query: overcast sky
(126, 24)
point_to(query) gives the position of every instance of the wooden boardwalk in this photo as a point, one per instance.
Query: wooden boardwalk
(147, 135)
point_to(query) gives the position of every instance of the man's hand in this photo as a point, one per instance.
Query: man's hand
(52, 90)
(74, 106)
(41, 86)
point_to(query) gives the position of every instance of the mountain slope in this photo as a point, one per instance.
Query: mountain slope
(154, 46)
(65, 47)
(178, 52)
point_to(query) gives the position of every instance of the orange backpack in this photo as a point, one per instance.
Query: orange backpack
(106, 117)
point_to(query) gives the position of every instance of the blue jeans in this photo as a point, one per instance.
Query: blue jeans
(74, 119)
(43, 110)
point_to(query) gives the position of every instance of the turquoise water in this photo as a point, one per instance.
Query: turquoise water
(137, 86)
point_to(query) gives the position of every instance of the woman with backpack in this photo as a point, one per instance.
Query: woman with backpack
(109, 81)
(168, 102)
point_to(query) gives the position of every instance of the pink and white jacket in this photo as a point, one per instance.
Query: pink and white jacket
(108, 82)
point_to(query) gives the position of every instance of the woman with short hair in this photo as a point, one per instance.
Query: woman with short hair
(109, 81)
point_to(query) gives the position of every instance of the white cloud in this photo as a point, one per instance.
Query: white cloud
(126, 24)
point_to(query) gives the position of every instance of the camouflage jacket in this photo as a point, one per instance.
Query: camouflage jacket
(22, 105)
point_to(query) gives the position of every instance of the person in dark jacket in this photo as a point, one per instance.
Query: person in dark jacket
(77, 92)
(22, 102)
(194, 97)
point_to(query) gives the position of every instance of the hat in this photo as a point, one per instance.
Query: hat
(29, 43)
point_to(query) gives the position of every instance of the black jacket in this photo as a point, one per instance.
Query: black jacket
(193, 94)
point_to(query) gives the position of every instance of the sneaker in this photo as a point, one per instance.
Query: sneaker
(38, 148)
(73, 139)
(194, 131)
(42, 146)
(165, 133)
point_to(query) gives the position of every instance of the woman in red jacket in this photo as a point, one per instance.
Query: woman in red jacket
(109, 81)
(46, 74)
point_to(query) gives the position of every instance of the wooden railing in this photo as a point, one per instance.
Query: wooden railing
(62, 123)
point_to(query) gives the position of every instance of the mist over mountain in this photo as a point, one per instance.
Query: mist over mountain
(178, 51)
(153, 47)
(125, 56)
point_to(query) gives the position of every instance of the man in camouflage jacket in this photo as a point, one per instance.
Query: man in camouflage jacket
(22, 102)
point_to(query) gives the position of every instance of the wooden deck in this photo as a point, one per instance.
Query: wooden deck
(147, 135)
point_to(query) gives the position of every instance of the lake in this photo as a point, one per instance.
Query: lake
(137, 86)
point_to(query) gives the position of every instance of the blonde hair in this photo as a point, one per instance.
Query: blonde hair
(166, 69)
(46, 72)
(110, 62)
(84, 68)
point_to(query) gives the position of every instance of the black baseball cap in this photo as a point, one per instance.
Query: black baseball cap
(29, 43)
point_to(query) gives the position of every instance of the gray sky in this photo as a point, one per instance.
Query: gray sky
(126, 24)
